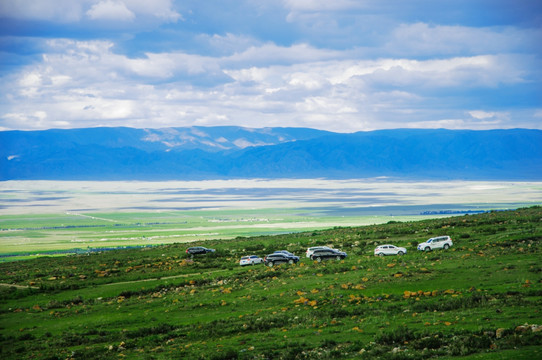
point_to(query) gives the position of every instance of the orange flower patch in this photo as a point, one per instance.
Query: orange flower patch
(301, 300)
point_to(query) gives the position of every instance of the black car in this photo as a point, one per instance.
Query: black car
(284, 252)
(322, 254)
(280, 258)
(196, 250)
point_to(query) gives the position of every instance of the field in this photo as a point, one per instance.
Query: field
(52, 217)
(481, 299)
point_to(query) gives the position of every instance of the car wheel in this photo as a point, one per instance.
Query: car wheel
(252, 263)
(338, 258)
(427, 248)
(446, 246)
(270, 264)
(381, 254)
(400, 253)
(319, 259)
(290, 261)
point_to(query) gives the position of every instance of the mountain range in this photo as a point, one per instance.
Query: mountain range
(194, 153)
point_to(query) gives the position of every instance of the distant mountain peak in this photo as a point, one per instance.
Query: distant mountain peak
(237, 152)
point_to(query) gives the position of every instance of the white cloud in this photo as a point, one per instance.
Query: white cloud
(86, 83)
(162, 9)
(53, 10)
(272, 54)
(321, 5)
(67, 11)
(479, 114)
(421, 39)
(110, 10)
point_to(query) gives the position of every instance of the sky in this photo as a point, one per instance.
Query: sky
(341, 65)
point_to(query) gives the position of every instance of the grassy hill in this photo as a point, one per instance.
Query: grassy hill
(482, 299)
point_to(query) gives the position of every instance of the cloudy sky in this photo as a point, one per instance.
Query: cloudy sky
(341, 65)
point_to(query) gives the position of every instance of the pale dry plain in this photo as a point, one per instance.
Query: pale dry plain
(56, 215)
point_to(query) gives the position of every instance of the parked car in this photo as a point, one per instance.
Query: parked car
(284, 252)
(279, 258)
(250, 260)
(197, 250)
(439, 242)
(311, 250)
(388, 249)
(322, 254)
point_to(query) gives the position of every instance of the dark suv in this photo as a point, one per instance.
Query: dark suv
(279, 258)
(196, 250)
(322, 254)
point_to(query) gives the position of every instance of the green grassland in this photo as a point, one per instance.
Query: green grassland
(481, 299)
(23, 236)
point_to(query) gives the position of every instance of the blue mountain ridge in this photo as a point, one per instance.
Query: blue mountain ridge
(194, 153)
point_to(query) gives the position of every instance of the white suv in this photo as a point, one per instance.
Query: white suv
(439, 242)
(388, 249)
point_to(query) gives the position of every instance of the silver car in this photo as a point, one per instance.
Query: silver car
(388, 249)
(250, 260)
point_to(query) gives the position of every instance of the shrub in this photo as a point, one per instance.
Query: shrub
(396, 336)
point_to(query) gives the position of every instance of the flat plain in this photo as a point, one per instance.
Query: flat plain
(48, 217)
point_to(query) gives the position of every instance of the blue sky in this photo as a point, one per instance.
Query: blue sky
(339, 65)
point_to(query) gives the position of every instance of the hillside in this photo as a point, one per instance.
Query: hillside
(480, 299)
(233, 152)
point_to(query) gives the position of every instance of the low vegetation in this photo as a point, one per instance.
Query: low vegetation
(481, 299)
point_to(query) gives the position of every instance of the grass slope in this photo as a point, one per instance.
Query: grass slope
(482, 299)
